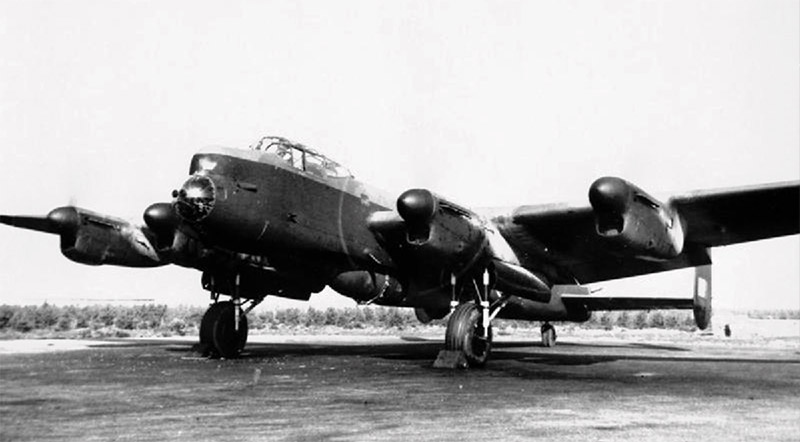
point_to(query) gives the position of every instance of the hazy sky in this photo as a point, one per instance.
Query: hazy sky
(102, 103)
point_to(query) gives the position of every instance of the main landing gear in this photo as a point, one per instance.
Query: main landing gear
(223, 329)
(468, 339)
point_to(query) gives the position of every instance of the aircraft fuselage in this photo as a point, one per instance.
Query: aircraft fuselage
(263, 205)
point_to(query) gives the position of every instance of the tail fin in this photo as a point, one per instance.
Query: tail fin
(702, 295)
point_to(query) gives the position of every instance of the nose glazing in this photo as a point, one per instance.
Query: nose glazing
(196, 198)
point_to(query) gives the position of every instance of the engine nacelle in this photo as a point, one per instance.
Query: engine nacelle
(440, 232)
(364, 286)
(635, 223)
(90, 238)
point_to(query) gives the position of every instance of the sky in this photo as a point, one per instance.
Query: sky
(103, 102)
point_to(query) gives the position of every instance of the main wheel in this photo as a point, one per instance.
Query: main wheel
(207, 329)
(548, 335)
(229, 340)
(465, 334)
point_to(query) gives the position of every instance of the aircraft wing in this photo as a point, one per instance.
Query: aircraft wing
(92, 238)
(563, 240)
(729, 216)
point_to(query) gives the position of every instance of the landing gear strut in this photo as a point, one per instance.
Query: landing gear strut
(468, 339)
(223, 329)
(466, 334)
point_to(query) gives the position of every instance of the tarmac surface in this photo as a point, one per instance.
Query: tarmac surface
(339, 388)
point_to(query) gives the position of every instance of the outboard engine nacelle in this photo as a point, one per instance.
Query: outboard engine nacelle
(94, 239)
(633, 222)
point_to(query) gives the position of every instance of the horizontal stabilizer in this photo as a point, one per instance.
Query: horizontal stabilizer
(580, 296)
(593, 303)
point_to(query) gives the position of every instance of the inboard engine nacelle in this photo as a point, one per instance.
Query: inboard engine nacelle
(633, 221)
(440, 231)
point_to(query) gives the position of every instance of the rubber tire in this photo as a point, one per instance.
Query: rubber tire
(207, 329)
(228, 341)
(207, 324)
(464, 334)
(548, 336)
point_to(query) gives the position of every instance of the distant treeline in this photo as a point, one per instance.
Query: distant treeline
(774, 314)
(96, 321)
(153, 319)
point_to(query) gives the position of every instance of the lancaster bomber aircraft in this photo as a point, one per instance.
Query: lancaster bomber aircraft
(282, 219)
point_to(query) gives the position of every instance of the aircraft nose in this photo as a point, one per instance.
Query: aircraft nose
(195, 200)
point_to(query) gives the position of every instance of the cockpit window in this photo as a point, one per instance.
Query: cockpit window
(315, 165)
(302, 158)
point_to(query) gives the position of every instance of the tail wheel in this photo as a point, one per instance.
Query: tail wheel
(548, 335)
(465, 334)
(228, 339)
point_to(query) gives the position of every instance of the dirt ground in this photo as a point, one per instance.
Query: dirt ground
(341, 388)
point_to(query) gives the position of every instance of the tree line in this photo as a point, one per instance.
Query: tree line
(161, 320)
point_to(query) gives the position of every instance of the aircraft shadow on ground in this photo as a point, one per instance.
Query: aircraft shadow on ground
(564, 354)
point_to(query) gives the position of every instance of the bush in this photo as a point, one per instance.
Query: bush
(105, 317)
(672, 320)
(291, 317)
(65, 323)
(607, 320)
(46, 316)
(623, 319)
(126, 320)
(314, 318)
(266, 318)
(24, 320)
(774, 314)
(640, 320)
(178, 326)
(655, 320)
(6, 313)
